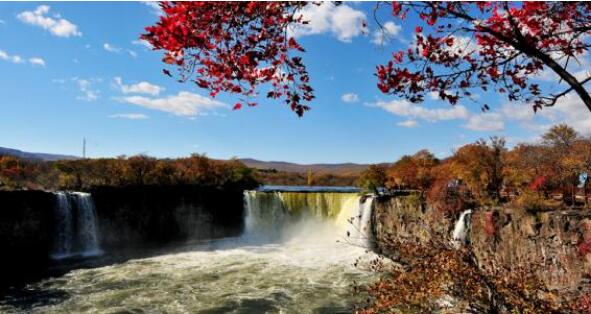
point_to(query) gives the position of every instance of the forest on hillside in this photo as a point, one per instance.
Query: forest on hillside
(81, 174)
(486, 171)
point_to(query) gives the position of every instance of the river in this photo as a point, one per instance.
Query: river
(303, 260)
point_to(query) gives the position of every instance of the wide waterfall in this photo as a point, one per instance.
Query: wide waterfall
(302, 251)
(75, 226)
(278, 214)
(459, 235)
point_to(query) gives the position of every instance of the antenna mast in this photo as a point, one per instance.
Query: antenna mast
(84, 147)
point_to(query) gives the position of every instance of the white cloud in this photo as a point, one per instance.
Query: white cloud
(488, 121)
(569, 109)
(2, 22)
(519, 112)
(342, 21)
(578, 67)
(184, 104)
(37, 61)
(407, 109)
(463, 45)
(56, 26)
(139, 88)
(434, 96)
(87, 90)
(10, 58)
(110, 48)
(141, 42)
(386, 33)
(154, 6)
(350, 97)
(129, 116)
(408, 123)
(114, 49)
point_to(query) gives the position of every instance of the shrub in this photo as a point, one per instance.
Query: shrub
(584, 247)
(531, 202)
(450, 197)
(489, 224)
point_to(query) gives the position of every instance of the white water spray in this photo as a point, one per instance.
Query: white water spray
(359, 224)
(278, 215)
(461, 228)
(297, 266)
(87, 226)
(76, 232)
(63, 230)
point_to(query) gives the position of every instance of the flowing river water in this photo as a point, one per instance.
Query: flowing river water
(297, 255)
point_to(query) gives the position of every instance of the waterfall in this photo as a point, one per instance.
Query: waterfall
(359, 225)
(265, 213)
(276, 214)
(459, 234)
(76, 227)
(87, 229)
(63, 231)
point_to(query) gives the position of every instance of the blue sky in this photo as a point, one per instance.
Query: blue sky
(74, 70)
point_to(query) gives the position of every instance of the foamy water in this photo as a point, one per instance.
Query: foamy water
(308, 269)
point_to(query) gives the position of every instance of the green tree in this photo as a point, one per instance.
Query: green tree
(373, 178)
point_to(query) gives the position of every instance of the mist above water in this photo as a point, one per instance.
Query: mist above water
(297, 255)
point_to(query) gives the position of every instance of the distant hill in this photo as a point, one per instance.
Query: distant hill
(34, 156)
(339, 169)
(343, 169)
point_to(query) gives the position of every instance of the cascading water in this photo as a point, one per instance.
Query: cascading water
(87, 226)
(275, 214)
(287, 261)
(76, 227)
(459, 234)
(359, 226)
(63, 230)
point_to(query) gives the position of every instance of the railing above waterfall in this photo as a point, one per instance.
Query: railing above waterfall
(310, 189)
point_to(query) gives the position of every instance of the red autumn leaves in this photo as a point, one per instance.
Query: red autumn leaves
(486, 45)
(239, 47)
(235, 47)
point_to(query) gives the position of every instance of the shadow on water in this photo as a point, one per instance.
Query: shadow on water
(32, 291)
(256, 306)
(26, 299)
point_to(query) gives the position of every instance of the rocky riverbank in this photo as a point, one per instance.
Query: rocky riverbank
(498, 237)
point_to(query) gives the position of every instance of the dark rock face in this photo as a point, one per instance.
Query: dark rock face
(26, 234)
(500, 237)
(551, 239)
(405, 215)
(127, 217)
(133, 216)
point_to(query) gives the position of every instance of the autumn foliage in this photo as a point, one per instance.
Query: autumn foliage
(433, 276)
(488, 173)
(469, 47)
(430, 274)
(459, 49)
(83, 174)
(234, 47)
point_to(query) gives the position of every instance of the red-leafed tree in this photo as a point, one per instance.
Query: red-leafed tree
(462, 48)
(235, 47)
(497, 46)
